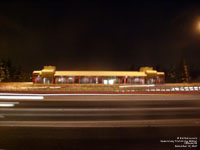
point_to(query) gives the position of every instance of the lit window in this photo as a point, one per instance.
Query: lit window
(111, 81)
(105, 82)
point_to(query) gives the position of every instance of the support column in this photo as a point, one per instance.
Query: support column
(56, 80)
(74, 79)
(96, 80)
(33, 79)
(163, 79)
(127, 80)
(79, 80)
(61, 78)
(124, 80)
(140, 80)
(84, 80)
(158, 79)
(102, 80)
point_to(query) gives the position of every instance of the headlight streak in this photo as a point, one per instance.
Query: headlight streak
(21, 97)
(150, 85)
(8, 104)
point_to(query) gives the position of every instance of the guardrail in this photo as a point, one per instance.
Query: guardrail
(171, 88)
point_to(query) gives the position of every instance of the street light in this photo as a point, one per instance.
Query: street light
(198, 26)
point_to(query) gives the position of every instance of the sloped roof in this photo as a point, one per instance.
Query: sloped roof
(37, 72)
(151, 72)
(160, 73)
(100, 73)
(48, 70)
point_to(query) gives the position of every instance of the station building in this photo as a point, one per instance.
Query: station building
(146, 75)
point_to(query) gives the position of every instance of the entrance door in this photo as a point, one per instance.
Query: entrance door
(47, 80)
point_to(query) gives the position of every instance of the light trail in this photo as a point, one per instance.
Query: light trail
(99, 109)
(111, 123)
(8, 104)
(21, 97)
(80, 94)
(66, 94)
(65, 115)
(149, 85)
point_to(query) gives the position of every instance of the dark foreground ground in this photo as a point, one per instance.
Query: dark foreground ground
(93, 138)
(101, 122)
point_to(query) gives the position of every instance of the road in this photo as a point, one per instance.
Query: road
(97, 121)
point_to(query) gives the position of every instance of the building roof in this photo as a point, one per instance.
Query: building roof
(151, 72)
(37, 72)
(100, 73)
(144, 69)
(160, 73)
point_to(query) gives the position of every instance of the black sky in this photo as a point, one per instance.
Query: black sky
(85, 35)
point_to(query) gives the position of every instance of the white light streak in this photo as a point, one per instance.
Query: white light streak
(7, 105)
(63, 94)
(191, 88)
(149, 85)
(21, 97)
(176, 89)
(9, 102)
(56, 87)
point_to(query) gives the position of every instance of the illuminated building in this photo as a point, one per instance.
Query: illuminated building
(146, 75)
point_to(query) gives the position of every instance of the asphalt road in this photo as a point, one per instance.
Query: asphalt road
(99, 121)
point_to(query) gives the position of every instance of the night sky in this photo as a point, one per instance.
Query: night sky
(85, 35)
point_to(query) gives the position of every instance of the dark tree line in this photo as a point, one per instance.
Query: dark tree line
(12, 73)
(177, 73)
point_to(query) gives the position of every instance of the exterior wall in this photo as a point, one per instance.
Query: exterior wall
(149, 76)
(64, 80)
(37, 79)
(160, 79)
